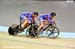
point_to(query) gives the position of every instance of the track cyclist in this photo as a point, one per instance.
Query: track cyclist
(45, 19)
(27, 18)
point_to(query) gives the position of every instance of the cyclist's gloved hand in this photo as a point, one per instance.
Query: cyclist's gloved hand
(50, 24)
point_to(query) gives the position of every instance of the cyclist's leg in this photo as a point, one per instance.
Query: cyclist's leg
(25, 22)
(40, 26)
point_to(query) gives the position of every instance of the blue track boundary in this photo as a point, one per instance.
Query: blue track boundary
(62, 34)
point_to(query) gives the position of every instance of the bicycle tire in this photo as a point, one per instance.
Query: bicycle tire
(54, 34)
(12, 30)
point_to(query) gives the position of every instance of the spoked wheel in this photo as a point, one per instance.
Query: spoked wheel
(32, 31)
(53, 23)
(12, 30)
(53, 32)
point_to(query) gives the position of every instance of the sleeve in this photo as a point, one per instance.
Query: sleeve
(33, 18)
(49, 19)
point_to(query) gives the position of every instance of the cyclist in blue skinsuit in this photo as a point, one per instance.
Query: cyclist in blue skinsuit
(45, 19)
(27, 18)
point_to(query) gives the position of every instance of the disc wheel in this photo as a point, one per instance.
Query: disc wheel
(12, 30)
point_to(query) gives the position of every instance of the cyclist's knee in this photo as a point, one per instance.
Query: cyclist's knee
(26, 25)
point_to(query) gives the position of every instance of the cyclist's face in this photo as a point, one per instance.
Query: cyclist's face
(52, 16)
(35, 15)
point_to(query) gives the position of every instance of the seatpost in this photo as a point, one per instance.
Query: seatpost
(20, 23)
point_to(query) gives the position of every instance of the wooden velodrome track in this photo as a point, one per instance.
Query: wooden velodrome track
(22, 42)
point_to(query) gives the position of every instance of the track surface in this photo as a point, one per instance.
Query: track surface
(21, 42)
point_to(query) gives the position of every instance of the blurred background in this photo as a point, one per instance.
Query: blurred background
(65, 19)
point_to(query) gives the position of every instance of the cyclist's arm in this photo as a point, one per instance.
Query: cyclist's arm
(51, 20)
(33, 19)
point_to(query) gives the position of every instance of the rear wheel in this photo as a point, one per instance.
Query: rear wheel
(12, 30)
(32, 30)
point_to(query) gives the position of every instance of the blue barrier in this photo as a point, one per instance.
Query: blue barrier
(62, 34)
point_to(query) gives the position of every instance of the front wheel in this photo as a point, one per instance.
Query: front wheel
(53, 32)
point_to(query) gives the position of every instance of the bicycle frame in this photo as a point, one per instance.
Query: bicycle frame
(20, 23)
(46, 28)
